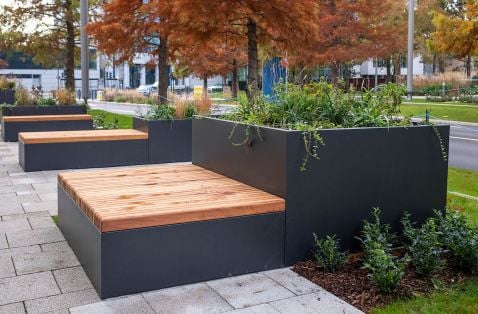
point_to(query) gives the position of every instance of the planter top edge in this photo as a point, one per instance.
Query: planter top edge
(321, 130)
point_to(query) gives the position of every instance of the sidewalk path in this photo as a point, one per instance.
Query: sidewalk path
(39, 272)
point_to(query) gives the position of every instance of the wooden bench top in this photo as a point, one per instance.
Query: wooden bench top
(140, 197)
(81, 136)
(64, 117)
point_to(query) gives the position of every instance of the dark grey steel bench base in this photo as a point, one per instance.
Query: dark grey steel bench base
(137, 260)
(10, 130)
(79, 155)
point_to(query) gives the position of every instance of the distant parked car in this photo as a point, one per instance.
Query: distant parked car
(215, 88)
(146, 90)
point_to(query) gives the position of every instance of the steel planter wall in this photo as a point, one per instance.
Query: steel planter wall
(397, 169)
(7, 97)
(42, 110)
(10, 130)
(169, 141)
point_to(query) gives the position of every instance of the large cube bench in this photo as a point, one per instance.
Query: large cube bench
(147, 228)
(82, 149)
(13, 125)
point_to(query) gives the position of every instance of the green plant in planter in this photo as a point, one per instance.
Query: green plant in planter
(424, 245)
(22, 97)
(160, 112)
(328, 255)
(460, 239)
(45, 102)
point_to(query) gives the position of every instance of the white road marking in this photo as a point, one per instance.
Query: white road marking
(464, 138)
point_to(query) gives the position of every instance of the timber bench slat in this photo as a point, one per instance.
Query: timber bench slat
(69, 117)
(81, 136)
(142, 197)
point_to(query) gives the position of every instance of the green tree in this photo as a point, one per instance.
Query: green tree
(46, 30)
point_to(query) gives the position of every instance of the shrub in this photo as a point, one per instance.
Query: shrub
(190, 111)
(99, 122)
(6, 83)
(161, 112)
(119, 98)
(203, 105)
(385, 270)
(65, 97)
(22, 97)
(376, 235)
(45, 102)
(460, 239)
(328, 254)
(424, 246)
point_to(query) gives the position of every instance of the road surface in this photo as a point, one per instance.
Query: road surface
(463, 139)
(464, 147)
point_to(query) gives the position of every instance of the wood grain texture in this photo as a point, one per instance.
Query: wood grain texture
(81, 136)
(147, 196)
(66, 117)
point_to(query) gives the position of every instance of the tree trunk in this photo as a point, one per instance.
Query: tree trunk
(235, 81)
(334, 73)
(163, 71)
(204, 87)
(388, 64)
(70, 47)
(253, 60)
(397, 67)
(468, 66)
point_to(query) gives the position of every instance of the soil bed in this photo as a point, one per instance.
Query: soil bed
(352, 285)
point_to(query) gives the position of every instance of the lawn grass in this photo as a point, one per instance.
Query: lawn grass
(440, 111)
(462, 298)
(463, 181)
(124, 121)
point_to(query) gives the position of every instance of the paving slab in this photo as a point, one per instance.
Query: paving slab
(6, 267)
(196, 298)
(318, 302)
(72, 279)
(62, 302)
(27, 287)
(10, 208)
(32, 237)
(14, 308)
(42, 222)
(49, 187)
(27, 180)
(20, 251)
(53, 196)
(248, 290)
(256, 309)
(124, 305)
(15, 188)
(40, 206)
(3, 242)
(51, 259)
(14, 225)
(26, 216)
(292, 281)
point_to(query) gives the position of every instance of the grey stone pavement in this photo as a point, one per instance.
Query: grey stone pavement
(39, 272)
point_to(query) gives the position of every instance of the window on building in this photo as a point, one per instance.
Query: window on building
(382, 63)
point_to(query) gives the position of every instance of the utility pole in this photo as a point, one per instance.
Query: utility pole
(411, 34)
(85, 77)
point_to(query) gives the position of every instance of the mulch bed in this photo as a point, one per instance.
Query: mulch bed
(352, 285)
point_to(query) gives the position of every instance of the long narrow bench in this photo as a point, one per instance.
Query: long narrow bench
(13, 125)
(82, 149)
(147, 228)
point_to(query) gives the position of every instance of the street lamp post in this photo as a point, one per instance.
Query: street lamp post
(85, 79)
(411, 34)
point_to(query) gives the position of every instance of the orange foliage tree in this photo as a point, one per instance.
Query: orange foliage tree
(353, 31)
(281, 23)
(130, 27)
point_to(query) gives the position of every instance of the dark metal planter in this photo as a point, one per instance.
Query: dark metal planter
(10, 130)
(80, 155)
(42, 110)
(397, 169)
(169, 141)
(7, 97)
(137, 260)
